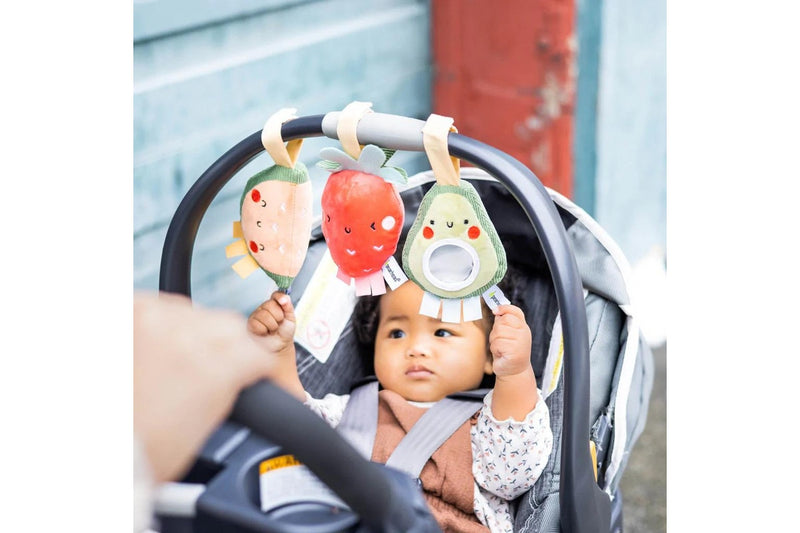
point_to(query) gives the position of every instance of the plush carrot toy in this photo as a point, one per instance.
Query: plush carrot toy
(275, 211)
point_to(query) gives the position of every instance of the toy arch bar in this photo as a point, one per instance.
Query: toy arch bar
(584, 506)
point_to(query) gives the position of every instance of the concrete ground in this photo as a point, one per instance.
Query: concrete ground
(644, 482)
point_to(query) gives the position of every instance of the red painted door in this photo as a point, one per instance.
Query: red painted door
(505, 71)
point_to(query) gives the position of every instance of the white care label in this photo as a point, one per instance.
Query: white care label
(324, 310)
(285, 480)
(494, 297)
(393, 273)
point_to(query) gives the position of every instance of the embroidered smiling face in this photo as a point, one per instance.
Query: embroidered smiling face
(362, 216)
(452, 249)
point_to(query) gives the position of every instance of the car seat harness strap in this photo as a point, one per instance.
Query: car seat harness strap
(360, 422)
(429, 433)
(360, 418)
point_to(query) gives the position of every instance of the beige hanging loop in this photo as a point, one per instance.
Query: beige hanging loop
(286, 154)
(346, 127)
(446, 168)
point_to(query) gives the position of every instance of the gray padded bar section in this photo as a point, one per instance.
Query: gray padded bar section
(387, 131)
(429, 433)
(360, 419)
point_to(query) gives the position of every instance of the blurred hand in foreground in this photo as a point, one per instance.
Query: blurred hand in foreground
(189, 365)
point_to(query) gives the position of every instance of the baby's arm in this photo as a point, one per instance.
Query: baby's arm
(510, 455)
(273, 325)
(514, 393)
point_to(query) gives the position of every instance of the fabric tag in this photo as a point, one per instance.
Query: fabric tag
(430, 305)
(363, 286)
(393, 274)
(324, 310)
(342, 276)
(472, 309)
(377, 285)
(451, 311)
(494, 297)
(555, 355)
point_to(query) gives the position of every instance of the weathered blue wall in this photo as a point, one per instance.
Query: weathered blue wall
(207, 74)
(630, 183)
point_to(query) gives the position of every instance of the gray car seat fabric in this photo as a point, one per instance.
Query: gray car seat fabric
(538, 510)
(637, 405)
(605, 322)
(535, 508)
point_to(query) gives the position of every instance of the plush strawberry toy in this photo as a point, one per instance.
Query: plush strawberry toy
(362, 215)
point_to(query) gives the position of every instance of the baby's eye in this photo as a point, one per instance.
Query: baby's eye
(397, 334)
(443, 333)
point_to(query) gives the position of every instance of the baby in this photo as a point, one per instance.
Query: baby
(493, 458)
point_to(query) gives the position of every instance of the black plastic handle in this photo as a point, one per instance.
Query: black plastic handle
(380, 501)
(584, 506)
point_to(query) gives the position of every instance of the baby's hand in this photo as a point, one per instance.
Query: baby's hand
(273, 323)
(510, 342)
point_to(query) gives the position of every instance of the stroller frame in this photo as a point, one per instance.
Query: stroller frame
(584, 507)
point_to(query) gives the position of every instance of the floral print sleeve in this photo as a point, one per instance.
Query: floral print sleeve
(509, 455)
(330, 408)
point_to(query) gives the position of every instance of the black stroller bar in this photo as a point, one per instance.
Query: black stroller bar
(584, 507)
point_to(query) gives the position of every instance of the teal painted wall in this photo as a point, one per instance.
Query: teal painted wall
(207, 74)
(588, 24)
(631, 159)
(620, 121)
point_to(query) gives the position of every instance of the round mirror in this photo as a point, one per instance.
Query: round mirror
(450, 264)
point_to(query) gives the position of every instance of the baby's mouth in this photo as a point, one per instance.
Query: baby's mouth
(418, 372)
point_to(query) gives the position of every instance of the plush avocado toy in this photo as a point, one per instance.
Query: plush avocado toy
(452, 250)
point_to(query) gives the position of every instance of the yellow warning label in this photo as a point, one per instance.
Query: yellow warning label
(275, 463)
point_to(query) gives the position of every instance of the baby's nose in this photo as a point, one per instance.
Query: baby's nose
(418, 348)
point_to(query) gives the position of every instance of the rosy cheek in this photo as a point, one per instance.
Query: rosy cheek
(253, 246)
(427, 232)
(474, 232)
(255, 195)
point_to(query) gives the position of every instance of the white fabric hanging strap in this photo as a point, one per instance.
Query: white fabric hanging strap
(347, 125)
(360, 418)
(446, 168)
(283, 154)
(429, 433)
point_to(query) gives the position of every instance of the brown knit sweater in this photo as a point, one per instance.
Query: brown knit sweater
(446, 477)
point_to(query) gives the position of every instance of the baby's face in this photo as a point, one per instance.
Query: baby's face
(422, 358)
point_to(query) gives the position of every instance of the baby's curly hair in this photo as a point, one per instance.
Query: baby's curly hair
(366, 316)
